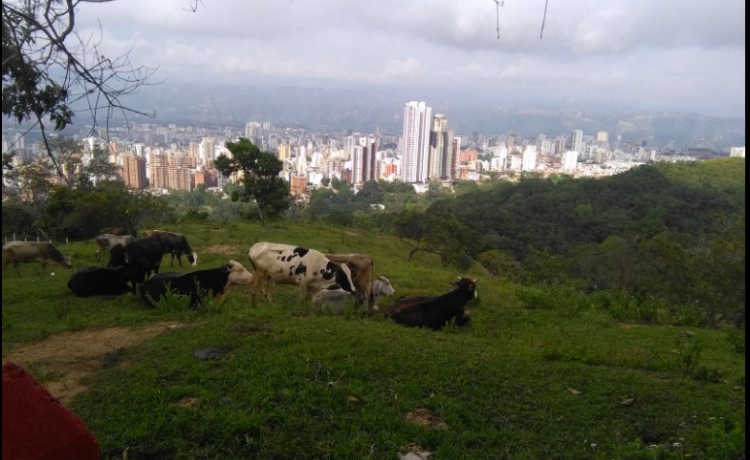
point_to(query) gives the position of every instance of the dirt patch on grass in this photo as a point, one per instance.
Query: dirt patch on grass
(222, 249)
(251, 330)
(427, 419)
(75, 357)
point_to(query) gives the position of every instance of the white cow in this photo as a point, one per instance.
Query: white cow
(309, 270)
(105, 243)
(337, 299)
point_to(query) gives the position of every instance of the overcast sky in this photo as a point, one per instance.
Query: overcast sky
(656, 55)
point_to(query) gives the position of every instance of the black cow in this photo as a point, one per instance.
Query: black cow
(141, 258)
(196, 285)
(176, 245)
(97, 281)
(436, 312)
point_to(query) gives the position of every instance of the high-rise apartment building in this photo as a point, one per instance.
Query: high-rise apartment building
(159, 171)
(208, 146)
(179, 173)
(134, 172)
(603, 136)
(359, 160)
(441, 149)
(570, 161)
(416, 143)
(285, 152)
(576, 141)
(530, 156)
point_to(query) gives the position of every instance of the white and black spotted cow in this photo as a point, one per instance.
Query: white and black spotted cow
(309, 270)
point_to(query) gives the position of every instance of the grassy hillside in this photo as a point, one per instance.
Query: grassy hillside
(522, 383)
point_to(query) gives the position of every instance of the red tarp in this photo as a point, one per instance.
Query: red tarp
(37, 427)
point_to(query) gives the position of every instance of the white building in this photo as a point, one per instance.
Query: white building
(738, 152)
(416, 143)
(302, 161)
(570, 161)
(576, 141)
(530, 157)
(358, 165)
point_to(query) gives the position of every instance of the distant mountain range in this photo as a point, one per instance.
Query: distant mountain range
(331, 109)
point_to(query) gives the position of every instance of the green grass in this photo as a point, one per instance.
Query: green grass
(502, 385)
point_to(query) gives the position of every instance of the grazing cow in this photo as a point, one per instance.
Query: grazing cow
(336, 299)
(25, 253)
(114, 231)
(175, 244)
(197, 285)
(105, 243)
(363, 274)
(95, 281)
(141, 258)
(436, 312)
(307, 269)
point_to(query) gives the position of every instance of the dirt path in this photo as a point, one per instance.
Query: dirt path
(66, 361)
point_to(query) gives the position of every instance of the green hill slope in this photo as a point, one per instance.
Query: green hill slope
(566, 382)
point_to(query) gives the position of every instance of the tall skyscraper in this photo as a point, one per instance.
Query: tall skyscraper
(441, 149)
(134, 172)
(603, 136)
(570, 161)
(359, 160)
(576, 141)
(208, 146)
(285, 152)
(370, 171)
(179, 173)
(416, 143)
(738, 152)
(302, 161)
(159, 166)
(530, 156)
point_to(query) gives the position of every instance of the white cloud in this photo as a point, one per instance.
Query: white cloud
(661, 54)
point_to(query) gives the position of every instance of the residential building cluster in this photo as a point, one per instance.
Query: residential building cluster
(428, 149)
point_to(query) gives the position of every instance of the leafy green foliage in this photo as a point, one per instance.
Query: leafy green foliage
(79, 213)
(502, 265)
(261, 179)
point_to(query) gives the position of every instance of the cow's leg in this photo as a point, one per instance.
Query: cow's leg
(179, 258)
(98, 255)
(7, 264)
(44, 266)
(16, 264)
(462, 321)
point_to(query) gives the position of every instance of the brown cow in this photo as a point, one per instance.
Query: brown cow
(25, 253)
(114, 231)
(363, 275)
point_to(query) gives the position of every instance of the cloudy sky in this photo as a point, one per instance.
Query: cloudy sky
(656, 55)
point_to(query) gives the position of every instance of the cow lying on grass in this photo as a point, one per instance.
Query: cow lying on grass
(436, 312)
(21, 252)
(96, 281)
(363, 274)
(197, 286)
(307, 269)
(336, 299)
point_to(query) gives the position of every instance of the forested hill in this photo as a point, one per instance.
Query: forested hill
(688, 199)
(666, 237)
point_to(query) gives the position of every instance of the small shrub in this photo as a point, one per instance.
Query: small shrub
(502, 265)
(736, 339)
(690, 362)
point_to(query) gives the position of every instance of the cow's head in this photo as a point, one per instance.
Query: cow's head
(149, 233)
(193, 259)
(467, 286)
(384, 287)
(238, 275)
(118, 257)
(68, 263)
(344, 278)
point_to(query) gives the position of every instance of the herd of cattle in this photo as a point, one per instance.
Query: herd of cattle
(327, 280)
